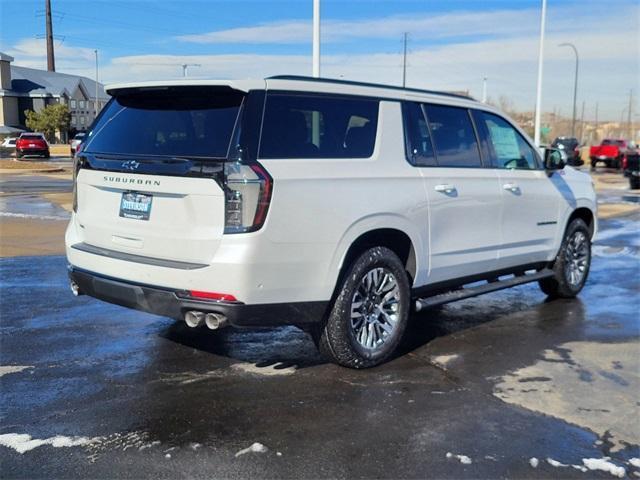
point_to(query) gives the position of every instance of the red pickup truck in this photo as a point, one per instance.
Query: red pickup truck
(610, 151)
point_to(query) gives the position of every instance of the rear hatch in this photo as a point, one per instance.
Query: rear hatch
(31, 142)
(152, 177)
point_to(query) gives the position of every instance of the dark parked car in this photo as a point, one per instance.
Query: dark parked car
(571, 148)
(631, 167)
(32, 144)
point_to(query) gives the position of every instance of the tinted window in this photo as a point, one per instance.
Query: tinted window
(453, 136)
(565, 143)
(509, 149)
(191, 122)
(313, 126)
(418, 140)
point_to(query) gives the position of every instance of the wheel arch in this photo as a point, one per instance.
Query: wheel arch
(586, 215)
(391, 232)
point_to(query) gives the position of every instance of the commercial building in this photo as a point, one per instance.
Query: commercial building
(23, 88)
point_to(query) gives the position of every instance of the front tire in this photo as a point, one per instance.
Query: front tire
(370, 314)
(634, 182)
(572, 264)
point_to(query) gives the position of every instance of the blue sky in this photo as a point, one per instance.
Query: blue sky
(452, 44)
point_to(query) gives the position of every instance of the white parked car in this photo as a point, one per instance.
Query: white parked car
(77, 140)
(9, 142)
(335, 206)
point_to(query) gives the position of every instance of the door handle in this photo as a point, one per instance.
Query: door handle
(512, 187)
(445, 188)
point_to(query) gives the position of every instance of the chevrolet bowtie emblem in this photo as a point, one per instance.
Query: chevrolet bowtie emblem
(130, 165)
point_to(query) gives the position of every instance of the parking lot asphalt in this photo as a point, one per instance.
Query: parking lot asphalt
(509, 385)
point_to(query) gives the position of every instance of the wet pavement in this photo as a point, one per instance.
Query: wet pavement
(22, 184)
(479, 389)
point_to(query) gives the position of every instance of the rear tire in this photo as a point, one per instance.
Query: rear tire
(369, 316)
(572, 264)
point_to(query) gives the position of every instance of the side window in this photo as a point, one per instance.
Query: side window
(453, 136)
(317, 126)
(419, 148)
(509, 149)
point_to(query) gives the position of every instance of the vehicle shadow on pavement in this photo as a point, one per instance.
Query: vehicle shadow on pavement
(276, 347)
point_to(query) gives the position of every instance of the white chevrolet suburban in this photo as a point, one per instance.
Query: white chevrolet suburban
(335, 206)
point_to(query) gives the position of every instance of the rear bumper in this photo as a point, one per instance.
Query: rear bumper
(170, 303)
(32, 151)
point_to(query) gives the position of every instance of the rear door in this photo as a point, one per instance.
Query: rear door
(464, 198)
(148, 182)
(530, 198)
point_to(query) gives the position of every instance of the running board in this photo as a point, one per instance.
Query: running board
(492, 286)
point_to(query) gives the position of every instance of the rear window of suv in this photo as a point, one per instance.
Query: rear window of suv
(318, 126)
(177, 121)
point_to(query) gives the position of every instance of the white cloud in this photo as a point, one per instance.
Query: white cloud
(607, 38)
(510, 67)
(421, 27)
(31, 52)
(506, 22)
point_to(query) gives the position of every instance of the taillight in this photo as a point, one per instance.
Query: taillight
(247, 196)
(625, 162)
(77, 164)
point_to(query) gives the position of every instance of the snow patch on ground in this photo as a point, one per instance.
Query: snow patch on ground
(534, 462)
(29, 215)
(7, 369)
(21, 442)
(635, 462)
(254, 448)
(149, 445)
(555, 463)
(461, 458)
(267, 371)
(604, 465)
(444, 360)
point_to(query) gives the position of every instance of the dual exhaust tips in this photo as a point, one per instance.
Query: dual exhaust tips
(214, 321)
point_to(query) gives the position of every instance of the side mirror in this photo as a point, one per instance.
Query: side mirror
(553, 159)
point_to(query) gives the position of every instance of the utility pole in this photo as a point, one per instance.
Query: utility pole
(540, 64)
(629, 114)
(582, 123)
(484, 90)
(316, 38)
(575, 88)
(51, 62)
(96, 102)
(404, 61)
(596, 136)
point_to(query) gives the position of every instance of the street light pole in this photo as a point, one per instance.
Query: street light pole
(539, 85)
(575, 87)
(96, 102)
(316, 38)
(484, 90)
(404, 60)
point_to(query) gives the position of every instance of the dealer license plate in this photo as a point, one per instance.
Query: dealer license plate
(136, 205)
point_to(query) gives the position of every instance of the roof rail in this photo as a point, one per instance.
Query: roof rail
(304, 78)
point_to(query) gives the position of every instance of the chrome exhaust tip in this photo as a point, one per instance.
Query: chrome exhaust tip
(215, 321)
(193, 318)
